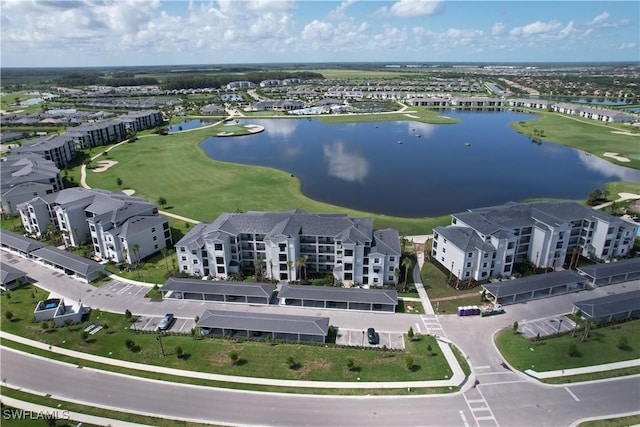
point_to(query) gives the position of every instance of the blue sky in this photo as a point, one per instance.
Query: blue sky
(48, 33)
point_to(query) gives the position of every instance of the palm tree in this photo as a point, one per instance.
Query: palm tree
(259, 269)
(136, 252)
(51, 231)
(407, 263)
(290, 267)
(299, 265)
(125, 255)
(588, 323)
(164, 255)
(578, 315)
(304, 261)
(162, 202)
(271, 269)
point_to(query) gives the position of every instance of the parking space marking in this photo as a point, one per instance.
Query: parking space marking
(464, 419)
(142, 288)
(572, 395)
(484, 408)
(418, 330)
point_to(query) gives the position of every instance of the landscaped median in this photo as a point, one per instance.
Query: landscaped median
(248, 364)
(608, 351)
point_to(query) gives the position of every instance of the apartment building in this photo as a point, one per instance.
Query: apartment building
(486, 243)
(140, 120)
(25, 176)
(121, 228)
(288, 245)
(99, 133)
(60, 149)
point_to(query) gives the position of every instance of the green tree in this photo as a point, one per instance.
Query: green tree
(407, 264)
(233, 356)
(291, 362)
(350, 364)
(127, 315)
(136, 252)
(429, 350)
(410, 333)
(514, 327)
(162, 201)
(408, 361)
(578, 315)
(179, 352)
(623, 343)
(119, 182)
(588, 323)
(573, 350)
(8, 315)
(85, 336)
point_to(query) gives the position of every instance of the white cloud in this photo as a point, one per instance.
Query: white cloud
(339, 12)
(536, 28)
(497, 29)
(348, 166)
(412, 8)
(601, 21)
(598, 20)
(452, 37)
(630, 45)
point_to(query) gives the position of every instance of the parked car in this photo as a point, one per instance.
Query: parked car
(372, 336)
(166, 322)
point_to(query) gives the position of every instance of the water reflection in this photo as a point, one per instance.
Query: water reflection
(279, 128)
(608, 169)
(348, 166)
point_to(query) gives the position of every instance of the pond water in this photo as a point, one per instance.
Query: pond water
(435, 170)
(187, 125)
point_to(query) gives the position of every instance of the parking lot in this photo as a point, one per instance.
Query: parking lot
(150, 324)
(547, 326)
(115, 287)
(358, 338)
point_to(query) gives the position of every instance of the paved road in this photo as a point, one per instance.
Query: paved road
(509, 404)
(502, 397)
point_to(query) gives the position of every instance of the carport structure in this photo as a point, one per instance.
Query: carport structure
(9, 276)
(73, 265)
(612, 272)
(535, 287)
(261, 325)
(611, 307)
(217, 291)
(340, 298)
(18, 243)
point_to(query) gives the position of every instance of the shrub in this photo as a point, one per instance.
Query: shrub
(291, 362)
(8, 315)
(179, 352)
(429, 350)
(573, 350)
(85, 335)
(350, 364)
(408, 361)
(233, 356)
(514, 327)
(410, 334)
(623, 343)
(45, 325)
(129, 344)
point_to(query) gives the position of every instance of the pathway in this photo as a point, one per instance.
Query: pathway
(622, 197)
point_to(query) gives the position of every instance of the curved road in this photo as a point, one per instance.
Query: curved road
(520, 403)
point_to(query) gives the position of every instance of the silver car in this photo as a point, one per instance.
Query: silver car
(166, 322)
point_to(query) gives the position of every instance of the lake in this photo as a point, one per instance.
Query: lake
(187, 125)
(436, 170)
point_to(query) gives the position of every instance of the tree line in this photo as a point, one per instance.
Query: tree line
(220, 80)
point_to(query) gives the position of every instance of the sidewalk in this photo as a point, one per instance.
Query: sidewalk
(584, 370)
(456, 380)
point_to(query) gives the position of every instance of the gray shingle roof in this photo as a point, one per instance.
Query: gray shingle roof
(328, 293)
(9, 273)
(279, 323)
(623, 266)
(610, 304)
(68, 260)
(532, 283)
(19, 242)
(464, 238)
(264, 290)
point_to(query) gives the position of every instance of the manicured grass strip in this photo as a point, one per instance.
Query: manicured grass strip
(256, 358)
(632, 420)
(553, 354)
(462, 360)
(593, 376)
(62, 405)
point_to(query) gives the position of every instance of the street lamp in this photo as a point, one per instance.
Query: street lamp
(159, 339)
(559, 325)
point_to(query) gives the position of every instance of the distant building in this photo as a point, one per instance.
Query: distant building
(487, 242)
(140, 120)
(91, 135)
(60, 149)
(289, 244)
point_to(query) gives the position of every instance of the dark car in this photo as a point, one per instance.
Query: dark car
(372, 336)
(166, 322)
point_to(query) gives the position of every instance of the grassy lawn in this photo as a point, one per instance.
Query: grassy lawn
(632, 420)
(552, 354)
(585, 134)
(257, 358)
(205, 188)
(61, 405)
(593, 376)
(417, 114)
(451, 306)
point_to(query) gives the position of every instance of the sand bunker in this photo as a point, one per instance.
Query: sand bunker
(103, 165)
(255, 128)
(617, 157)
(129, 192)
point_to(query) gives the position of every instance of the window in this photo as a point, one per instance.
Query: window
(193, 252)
(155, 238)
(217, 246)
(444, 250)
(466, 274)
(155, 246)
(348, 252)
(484, 265)
(435, 245)
(376, 260)
(391, 269)
(484, 274)
(153, 229)
(470, 255)
(511, 245)
(220, 270)
(390, 278)
(486, 255)
(184, 258)
(442, 259)
(468, 264)
(182, 249)
(219, 260)
(444, 240)
(195, 261)
(185, 267)
(348, 266)
(348, 276)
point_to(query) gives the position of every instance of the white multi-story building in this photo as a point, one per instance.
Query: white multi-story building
(287, 245)
(487, 242)
(140, 120)
(99, 133)
(120, 227)
(60, 149)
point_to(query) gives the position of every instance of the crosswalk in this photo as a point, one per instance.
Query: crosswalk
(482, 414)
(432, 325)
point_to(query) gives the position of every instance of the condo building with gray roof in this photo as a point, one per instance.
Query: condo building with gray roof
(25, 176)
(288, 245)
(486, 243)
(121, 228)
